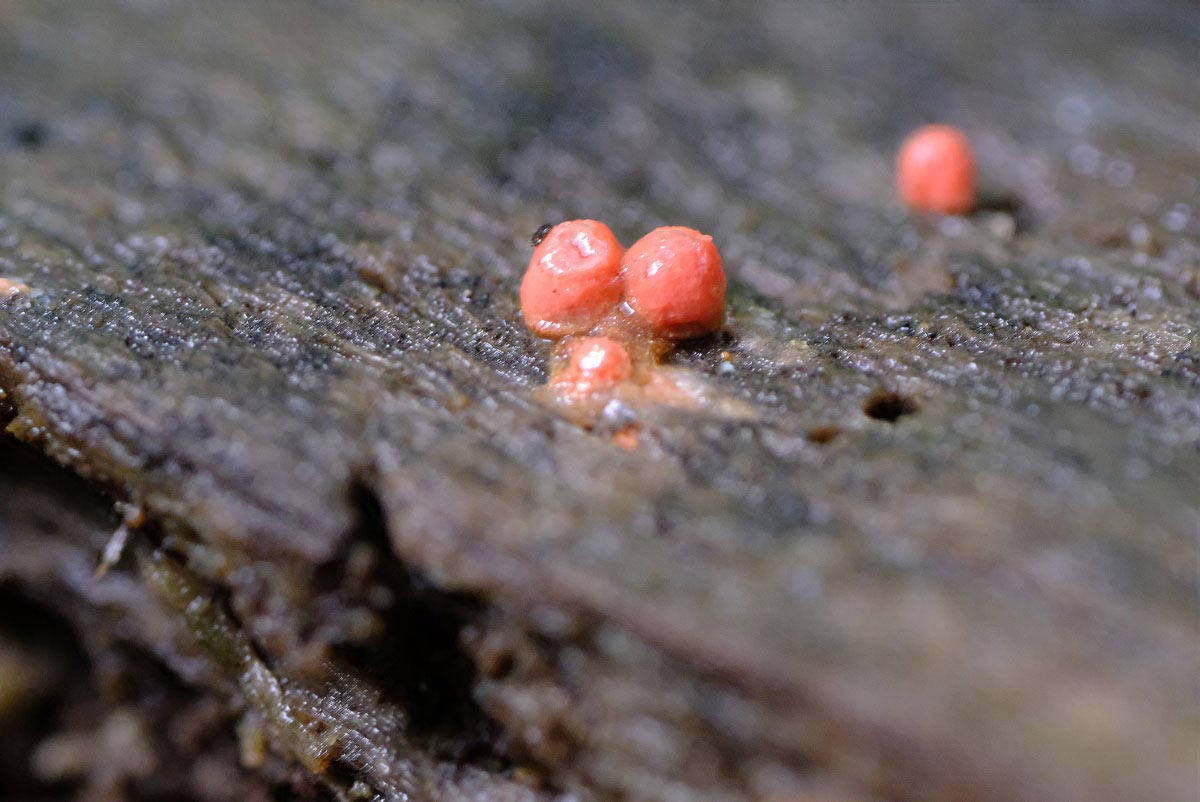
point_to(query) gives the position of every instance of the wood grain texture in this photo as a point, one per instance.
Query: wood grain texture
(273, 250)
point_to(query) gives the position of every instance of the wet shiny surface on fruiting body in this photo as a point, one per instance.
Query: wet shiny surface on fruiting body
(573, 279)
(593, 364)
(675, 282)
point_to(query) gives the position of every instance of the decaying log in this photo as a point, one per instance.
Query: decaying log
(932, 536)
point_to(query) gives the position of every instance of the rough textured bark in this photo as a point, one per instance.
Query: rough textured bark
(932, 536)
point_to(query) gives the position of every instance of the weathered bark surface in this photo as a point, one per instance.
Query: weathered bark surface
(272, 251)
(86, 703)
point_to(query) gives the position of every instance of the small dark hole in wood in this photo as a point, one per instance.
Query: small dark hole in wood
(889, 406)
(30, 134)
(824, 434)
(503, 667)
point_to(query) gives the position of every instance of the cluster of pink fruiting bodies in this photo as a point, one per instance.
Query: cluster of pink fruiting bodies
(615, 310)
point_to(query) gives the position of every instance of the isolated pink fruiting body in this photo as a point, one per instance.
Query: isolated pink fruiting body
(935, 171)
